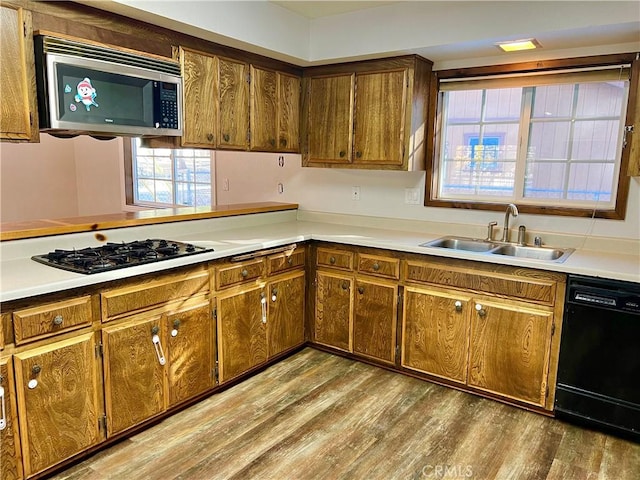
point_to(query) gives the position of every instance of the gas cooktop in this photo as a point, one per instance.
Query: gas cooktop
(111, 256)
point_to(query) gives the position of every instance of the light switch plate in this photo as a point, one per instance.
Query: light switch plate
(412, 196)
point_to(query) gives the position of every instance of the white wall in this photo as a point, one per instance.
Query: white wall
(59, 178)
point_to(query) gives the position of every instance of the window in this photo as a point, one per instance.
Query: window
(550, 141)
(169, 177)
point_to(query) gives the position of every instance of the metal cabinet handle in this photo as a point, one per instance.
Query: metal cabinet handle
(376, 266)
(345, 286)
(263, 306)
(3, 412)
(290, 261)
(458, 306)
(358, 154)
(481, 311)
(332, 260)
(35, 371)
(274, 294)
(210, 137)
(283, 142)
(57, 320)
(272, 142)
(342, 153)
(158, 347)
(360, 290)
(244, 273)
(176, 325)
(226, 137)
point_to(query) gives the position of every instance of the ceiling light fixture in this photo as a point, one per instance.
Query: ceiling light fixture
(517, 45)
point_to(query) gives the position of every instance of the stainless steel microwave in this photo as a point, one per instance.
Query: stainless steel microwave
(91, 89)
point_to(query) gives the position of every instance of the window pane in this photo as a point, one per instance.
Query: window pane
(503, 104)
(163, 167)
(595, 140)
(602, 99)
(145, 190)
(553, 101)
(549, 141)
(545, 180)
(589, 181)
(464, 106)
(164, 191)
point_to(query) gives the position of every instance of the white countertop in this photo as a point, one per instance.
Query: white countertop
(21, 277)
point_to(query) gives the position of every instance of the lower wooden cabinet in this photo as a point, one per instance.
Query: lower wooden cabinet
(334, 304)
(156, 360)
(10, 458)
(60, 401)
(242, 340)
(257, 322)
(285, 314)
(190, 351)
(435, 331)
(375, 319)
(509, 349)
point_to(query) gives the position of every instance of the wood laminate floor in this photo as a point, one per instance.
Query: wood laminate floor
(320, 416)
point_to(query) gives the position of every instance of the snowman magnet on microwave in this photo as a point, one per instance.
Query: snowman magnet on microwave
(86, 94)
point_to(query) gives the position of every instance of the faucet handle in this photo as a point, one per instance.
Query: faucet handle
(537, 241)
(522, 235)
(490, 230)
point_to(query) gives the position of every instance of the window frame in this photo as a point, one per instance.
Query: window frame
(129, 177)
(618, 212)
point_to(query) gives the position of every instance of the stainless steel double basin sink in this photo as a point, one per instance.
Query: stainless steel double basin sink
(487, 247)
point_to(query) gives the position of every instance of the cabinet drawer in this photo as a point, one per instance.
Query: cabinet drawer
(232, 274)
(379, 266)
(335, 259)
(531, 288)
(283, 261)
(52, 318)
(146, 295)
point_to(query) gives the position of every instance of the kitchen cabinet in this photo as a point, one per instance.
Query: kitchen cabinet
(633, 118)
(59, 401)
(158, 345)
(357, 311)
(10, 454)
(435, 332)
(370, 114)
(18, 109)
(275, 111)
(259, 310)
(491, 328)
(215, 101)
(134, 369)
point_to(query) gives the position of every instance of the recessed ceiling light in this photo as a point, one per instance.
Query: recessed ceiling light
(517, 45)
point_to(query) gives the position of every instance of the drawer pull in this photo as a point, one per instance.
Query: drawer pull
(332, 260)
(244, 273)
(360, 290)
(376, 266)
(481, 311)
(226, 137)
(35, 371)
(210, 137)
(176, 325)
(3, 418)
(57, 320)
(458, 305)
(345, 286)
(290, 261)
(158, 347)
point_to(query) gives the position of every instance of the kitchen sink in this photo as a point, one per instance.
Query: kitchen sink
(485, 247)
(538, 253)
(462, 243)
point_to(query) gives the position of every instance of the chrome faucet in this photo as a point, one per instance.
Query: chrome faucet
(511, 209)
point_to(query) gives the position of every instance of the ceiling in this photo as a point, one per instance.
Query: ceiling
(452, 33)
(317, 9)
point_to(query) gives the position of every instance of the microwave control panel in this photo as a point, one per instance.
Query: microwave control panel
(168, 93)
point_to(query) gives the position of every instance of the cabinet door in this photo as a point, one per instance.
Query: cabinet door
(200, 83)
(334, 302)
(435, 328)
(264, 109)
(509, 349)
(288, 113)
(380, 117)
(233, 83)
(285, 324)
(134, 372)
(18, 110)
(190, 351)
(10, 460)
(58, 400)
(242, 341)
(330, 122)
(375, 319)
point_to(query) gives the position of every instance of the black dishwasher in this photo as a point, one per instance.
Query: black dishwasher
(599, 367)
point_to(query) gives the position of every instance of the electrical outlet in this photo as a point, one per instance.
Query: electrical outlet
(411, 196)
(355, 193)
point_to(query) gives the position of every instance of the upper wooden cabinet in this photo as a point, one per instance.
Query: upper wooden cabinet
(371, 114)
(633, 118)
(216, 101)
(275, 111)
(18, 109)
